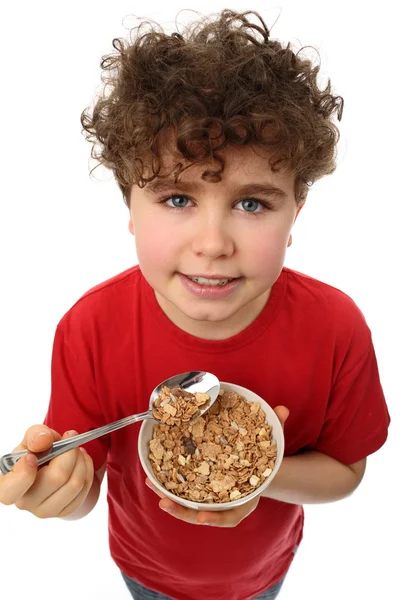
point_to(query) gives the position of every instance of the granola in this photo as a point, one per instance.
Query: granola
(222, 456)
(177, 406)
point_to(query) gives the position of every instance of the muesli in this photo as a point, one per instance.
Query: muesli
(221, 456)
(176, 406)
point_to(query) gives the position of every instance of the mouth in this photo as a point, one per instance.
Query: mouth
(214, 287)
(211, 281)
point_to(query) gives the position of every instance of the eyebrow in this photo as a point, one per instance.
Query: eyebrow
(166, 185)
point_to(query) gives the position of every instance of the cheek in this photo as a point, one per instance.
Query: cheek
(267, 248)
(155, 247)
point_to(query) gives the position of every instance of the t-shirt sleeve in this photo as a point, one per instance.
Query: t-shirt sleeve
(357, 418)
(74, 402)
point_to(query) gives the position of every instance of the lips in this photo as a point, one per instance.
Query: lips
(211, 287)
(218, 276)
(210, 280)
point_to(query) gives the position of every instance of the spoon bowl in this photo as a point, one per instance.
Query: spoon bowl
(192, 381)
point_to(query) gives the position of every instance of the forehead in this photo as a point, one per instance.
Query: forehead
(242, 165)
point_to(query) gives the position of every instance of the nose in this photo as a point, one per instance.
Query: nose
(213, 240)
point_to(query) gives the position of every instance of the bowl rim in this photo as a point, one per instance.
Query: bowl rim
(278, 436)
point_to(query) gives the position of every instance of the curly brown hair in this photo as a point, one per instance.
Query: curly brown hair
(224, 81)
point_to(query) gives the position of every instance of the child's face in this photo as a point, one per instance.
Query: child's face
(214, 230)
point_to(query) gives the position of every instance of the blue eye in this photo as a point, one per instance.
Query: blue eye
(250, 205)
(177, 201)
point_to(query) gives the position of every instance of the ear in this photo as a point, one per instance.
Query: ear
(130, 225)
(290, 240)
(299, 209)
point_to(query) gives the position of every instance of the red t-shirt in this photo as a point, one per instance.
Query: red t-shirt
(310, 349)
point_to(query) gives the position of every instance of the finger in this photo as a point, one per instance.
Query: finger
(153, 487)
(173, 508)
(72, 493)
(228, 518)
(50, 478)
(76, 503)
(16, 483)
(38, 438)
(178, 511)
(282, 412)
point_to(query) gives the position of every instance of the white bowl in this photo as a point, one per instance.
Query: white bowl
(146, 434)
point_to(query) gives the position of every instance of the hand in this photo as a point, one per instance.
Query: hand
(55, 490)
(223, 518)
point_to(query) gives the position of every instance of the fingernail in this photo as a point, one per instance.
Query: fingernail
(71, 433)
(38, 435)
(167, 509)
(31, 461)
(83, 450)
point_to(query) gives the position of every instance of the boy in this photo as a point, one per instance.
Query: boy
(214, 138)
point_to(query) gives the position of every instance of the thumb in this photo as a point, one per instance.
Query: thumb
(282, 412)
(39, 438)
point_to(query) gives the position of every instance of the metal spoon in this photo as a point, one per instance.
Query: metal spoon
(193, 381)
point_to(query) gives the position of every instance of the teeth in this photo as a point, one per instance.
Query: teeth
(204, 281)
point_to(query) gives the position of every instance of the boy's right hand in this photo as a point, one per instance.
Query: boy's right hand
(55, 490)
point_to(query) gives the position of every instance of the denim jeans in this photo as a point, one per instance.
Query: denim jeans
(141, 593)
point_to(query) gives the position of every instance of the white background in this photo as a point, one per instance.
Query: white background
(62, 233)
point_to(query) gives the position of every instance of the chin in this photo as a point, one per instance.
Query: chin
(208, 316)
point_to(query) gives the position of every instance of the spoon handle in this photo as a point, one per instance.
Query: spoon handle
(8, 461)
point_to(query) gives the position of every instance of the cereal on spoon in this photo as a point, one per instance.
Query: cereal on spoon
(177, 406)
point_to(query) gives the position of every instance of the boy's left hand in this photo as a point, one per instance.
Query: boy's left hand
(223, 518)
